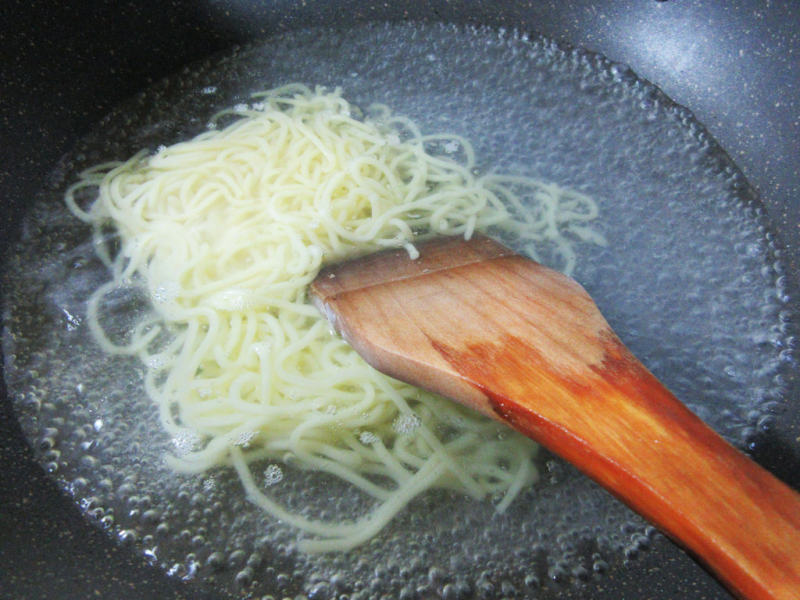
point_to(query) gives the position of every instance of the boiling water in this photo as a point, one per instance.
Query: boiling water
(689, 280)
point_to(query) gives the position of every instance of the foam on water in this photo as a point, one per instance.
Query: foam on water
(690, 281)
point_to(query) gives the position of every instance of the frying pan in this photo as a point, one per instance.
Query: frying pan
(67, 66)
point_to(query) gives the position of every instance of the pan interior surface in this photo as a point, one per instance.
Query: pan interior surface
(690, 280)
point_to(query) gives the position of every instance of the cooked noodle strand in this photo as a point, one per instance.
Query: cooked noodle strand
(224, 232)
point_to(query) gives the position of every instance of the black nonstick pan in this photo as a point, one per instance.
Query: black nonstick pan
(605, 84)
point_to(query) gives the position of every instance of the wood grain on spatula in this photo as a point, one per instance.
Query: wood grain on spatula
(526, 345)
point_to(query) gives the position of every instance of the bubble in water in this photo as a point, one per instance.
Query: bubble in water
(367, 438)
(273, 474)
(406, 424)
(244, 438)
(73, 322)
(451, 147)
(166, 291)
(186, 441)
(156, 361)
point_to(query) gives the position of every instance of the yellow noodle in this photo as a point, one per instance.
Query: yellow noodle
(225, 232)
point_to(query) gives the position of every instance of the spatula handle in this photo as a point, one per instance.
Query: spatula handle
(648, 449)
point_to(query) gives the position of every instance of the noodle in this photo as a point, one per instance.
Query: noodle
(226, 231)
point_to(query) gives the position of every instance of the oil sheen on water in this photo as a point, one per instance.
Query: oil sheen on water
(690, 281)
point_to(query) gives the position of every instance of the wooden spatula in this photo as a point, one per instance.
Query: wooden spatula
(526, 345)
